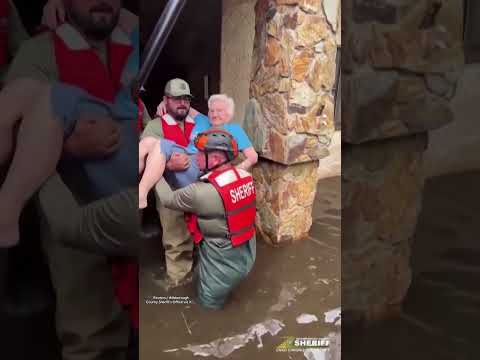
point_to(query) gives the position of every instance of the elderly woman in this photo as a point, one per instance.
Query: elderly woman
(154, 153)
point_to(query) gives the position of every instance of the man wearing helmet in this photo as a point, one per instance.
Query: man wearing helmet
(224, 202)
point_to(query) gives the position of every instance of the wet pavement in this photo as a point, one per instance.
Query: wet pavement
(286, 282)
(442, 309)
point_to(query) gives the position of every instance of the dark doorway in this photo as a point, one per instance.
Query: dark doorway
(30, 13)
(471, 31)
(192, 51)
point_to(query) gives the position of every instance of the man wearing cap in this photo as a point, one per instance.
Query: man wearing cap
(176, 125)
(224, 202)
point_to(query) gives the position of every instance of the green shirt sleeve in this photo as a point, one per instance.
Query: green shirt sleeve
(153, 128)
(35, 60)
(146, 117)
(183, 199)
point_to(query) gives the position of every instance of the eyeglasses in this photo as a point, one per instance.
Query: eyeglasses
(184, 98)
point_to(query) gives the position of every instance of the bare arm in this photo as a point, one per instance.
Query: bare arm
(251, 158)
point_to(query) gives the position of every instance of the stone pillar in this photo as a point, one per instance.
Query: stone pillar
(382, 185)
(399, 71)
(290, 114)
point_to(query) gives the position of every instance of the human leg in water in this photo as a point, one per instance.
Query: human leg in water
(152, 163)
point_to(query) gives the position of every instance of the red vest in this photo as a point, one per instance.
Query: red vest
(238, 195)
(172, 131)
(4, 17)
(84, 68)
(80, 66)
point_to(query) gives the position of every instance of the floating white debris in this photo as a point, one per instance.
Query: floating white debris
(333, 352)
(221, 348)
(287, 296)
(306, 319)
(315, 354)
(333, 316)
(312, 267)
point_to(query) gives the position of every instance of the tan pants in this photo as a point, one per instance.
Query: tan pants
(177, 242)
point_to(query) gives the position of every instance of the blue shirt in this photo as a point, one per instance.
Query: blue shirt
(202, 123)
(180, 179)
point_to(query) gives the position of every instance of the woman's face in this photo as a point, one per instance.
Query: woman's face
(218, 114)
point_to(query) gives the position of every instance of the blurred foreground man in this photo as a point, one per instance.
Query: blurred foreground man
(92, 53)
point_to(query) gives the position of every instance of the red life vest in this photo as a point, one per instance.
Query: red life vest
(79, 65)
(4, 17)
(172, 131)
(238, 195)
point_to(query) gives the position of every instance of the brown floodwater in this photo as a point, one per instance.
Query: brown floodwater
(308, 272)
(441, 314)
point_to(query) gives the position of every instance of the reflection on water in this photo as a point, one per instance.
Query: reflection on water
(442, 308)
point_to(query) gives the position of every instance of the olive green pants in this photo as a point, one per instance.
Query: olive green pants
(220, 269)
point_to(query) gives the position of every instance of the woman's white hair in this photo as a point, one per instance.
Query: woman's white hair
(228, 101)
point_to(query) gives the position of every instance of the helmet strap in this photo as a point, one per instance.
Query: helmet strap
(208, 169)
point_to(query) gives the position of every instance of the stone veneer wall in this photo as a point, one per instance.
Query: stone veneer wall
(290, 114)
(399, 73)
(238, 31)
